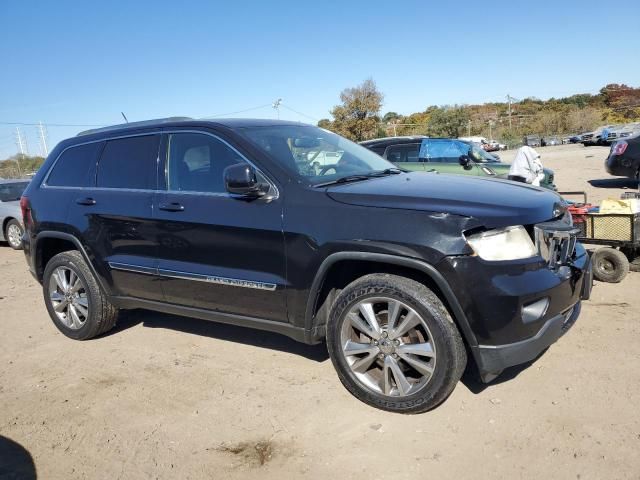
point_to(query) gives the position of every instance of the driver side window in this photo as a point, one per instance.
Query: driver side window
(446, 151)
(196, 162)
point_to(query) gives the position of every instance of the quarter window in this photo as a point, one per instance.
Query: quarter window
(73, 166)
(196, 163)
(129, 163)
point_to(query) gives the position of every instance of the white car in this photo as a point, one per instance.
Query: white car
(10, 214)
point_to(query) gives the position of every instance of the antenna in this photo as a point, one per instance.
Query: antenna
(124, 116)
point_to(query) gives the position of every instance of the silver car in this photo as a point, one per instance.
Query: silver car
(10, 214)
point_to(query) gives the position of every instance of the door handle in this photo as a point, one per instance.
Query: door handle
(171, 207)
(88, 201)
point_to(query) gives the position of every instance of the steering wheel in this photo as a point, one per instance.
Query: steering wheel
(326, 168)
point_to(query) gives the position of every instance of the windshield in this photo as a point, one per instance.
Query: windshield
(315, 154)
(481, 156)
(10, 192)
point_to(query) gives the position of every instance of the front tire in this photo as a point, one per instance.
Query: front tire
(76, 303)
(394, 344)
(13, 234)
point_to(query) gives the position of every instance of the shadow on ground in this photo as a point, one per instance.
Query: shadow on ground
(15, 461)
(221, 331)
(471, 380)
(615, 182)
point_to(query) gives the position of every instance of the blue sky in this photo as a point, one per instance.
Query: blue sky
(72, 62)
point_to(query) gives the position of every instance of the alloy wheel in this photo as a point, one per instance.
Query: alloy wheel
(68, 297)
(388, 347)
(14, 235)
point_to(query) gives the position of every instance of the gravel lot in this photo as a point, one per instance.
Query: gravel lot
(170, 397)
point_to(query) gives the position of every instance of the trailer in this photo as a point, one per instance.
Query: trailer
(617, 233)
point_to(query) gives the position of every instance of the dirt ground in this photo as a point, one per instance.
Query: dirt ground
(170, 397)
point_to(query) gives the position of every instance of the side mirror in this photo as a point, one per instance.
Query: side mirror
(241, 179)
(466, 162)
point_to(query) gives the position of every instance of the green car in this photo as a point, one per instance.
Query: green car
(443, 155)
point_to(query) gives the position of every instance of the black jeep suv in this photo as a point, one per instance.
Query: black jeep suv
(406, 275)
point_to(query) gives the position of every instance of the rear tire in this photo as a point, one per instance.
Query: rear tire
(13, 234)
(610, 265)
(75, 302)
(408, 328)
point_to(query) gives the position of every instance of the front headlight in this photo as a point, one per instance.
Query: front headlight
(511, 243)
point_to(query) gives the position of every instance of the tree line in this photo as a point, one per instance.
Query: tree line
(359, 117)
(20, 166)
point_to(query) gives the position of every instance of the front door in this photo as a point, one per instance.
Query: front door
(216, 252)
(443, 156)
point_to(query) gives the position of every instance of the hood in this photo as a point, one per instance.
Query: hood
(494, 202)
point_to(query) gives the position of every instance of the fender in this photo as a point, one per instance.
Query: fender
(79, 246)
(426, 268)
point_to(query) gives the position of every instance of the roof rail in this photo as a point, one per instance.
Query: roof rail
(143, 123)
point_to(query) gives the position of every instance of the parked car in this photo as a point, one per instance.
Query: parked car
(10, 215)
(495, 146)
(532, 141)
(402, 273)
(442, 155)
(482, 142)
(595, 137)
(624, 131)
(571, 139)
(551, 141)
(624, 158)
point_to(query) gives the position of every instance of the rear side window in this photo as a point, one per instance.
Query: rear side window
(73, 166)
(196, 163)
(129, 163)
(403, 153)
(394, 154)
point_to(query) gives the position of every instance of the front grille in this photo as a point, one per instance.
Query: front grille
(556, 243)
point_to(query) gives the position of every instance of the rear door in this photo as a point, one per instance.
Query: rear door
(114, 215)
(216, 252)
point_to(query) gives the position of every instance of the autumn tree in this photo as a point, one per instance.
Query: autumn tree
(448, 121)
(357, 117)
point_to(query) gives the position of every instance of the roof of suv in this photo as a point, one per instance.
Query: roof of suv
(395, 140)
(177, 121)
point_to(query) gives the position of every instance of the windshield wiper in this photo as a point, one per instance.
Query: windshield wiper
(362, 176)
(385, 172)
(347, 179)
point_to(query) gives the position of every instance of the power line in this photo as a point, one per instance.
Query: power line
(29, 124)
(300, 113)
(239, 111)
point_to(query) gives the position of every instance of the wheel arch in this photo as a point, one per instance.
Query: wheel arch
(361, 263)
(5, 222)
(50, 243)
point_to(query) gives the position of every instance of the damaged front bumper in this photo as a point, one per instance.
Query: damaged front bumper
(517, 309)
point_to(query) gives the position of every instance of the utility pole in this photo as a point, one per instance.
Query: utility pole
(490, 134)
(276, 106)
(42, 131)
(509, 99)
(21, 143)
(469, 128)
